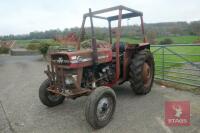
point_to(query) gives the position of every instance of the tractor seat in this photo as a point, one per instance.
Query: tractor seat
(121, 47)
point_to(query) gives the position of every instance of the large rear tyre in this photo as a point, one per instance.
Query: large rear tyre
(142, 72)
(100, 107)
(48, 98)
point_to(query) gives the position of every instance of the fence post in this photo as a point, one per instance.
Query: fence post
(163, 62)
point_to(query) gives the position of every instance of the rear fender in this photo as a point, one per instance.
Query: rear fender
(128, 55)
(143, 46)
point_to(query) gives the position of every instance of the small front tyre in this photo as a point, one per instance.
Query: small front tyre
(48, 98)
(100, 107)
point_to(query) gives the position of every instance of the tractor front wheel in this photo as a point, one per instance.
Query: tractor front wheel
(48, 98)
(142, 72)
(100, 107)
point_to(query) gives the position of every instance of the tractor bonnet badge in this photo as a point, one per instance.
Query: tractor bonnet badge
(60, 60)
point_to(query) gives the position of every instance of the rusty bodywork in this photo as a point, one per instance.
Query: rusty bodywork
(94, 68)
(77, 73)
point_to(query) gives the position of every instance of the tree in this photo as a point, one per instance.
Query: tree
(151, 35)
(195, 27)
(166, 41)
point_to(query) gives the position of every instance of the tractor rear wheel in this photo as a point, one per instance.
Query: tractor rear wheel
(142, 72)
(100, 107)
(48, 98)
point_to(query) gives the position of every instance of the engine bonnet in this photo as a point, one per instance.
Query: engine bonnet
(81, 58)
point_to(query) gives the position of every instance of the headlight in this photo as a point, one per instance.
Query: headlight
(69, 80)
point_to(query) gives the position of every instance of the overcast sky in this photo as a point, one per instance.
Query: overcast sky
(24, 16)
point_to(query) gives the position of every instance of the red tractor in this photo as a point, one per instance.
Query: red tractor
(96, 70)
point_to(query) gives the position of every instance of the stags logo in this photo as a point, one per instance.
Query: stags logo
(177, 113)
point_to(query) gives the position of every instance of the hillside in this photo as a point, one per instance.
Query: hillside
(151, 29)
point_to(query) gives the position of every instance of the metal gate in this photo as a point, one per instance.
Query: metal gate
(178, 63)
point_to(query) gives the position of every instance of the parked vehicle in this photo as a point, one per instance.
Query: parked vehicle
(94, 71)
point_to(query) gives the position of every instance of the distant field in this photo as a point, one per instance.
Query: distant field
(175, 39)
(191, 53)
(25, 43)
(180, 39)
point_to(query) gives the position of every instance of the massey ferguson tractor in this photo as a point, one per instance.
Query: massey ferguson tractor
(94, 71)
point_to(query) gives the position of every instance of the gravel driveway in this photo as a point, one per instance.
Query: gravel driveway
(22, 112)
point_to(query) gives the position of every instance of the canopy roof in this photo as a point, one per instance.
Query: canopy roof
(132, 13)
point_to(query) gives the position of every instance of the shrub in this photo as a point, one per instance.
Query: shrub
(35, 41)
(33, 46)
(197, 41)
(166, 41)
(4, 50)
(44, 46)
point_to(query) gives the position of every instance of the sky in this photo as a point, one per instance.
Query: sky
(24, 16)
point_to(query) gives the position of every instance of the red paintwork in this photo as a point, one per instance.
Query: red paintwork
(87, 54)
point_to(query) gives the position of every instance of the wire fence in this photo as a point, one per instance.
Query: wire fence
(178, 63)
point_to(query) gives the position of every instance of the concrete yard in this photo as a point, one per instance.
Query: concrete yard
(22, 112)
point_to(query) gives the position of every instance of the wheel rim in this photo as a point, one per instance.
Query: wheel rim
(147, 75)
(53, 97)
(104, 108)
